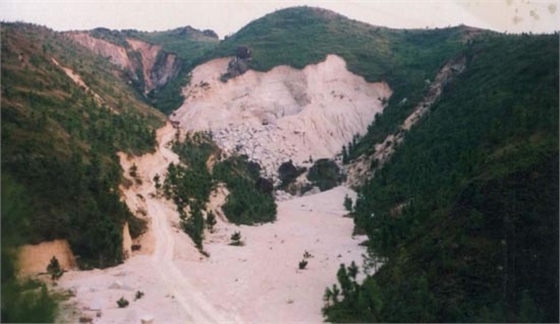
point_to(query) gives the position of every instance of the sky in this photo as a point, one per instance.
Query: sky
(226, 17)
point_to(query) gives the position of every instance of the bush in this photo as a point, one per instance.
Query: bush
(210, 221)
(348, 203)
(139, 294)
(302, 264)
(324, 174)
(122, 302)
(54, 269)
(236, 239)
(287, 173)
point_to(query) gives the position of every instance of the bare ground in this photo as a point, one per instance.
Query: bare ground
(257, 282)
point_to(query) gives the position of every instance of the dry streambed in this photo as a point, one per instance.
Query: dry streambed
(257, 282)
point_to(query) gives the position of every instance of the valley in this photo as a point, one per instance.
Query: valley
(259, 281)
(306, 168)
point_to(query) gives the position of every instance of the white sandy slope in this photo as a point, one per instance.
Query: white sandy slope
(258, 282)
(281, 114)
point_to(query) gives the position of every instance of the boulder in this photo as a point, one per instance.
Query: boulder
(116, 285)
(147, 319)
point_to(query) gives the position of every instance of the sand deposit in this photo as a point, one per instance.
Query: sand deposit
(257, 282)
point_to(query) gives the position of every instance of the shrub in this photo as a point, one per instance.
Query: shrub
(54, 269)
(324, 174)
(302, 264)
(122, 302)
(210, 221)
(236, 239)
(348, 203)
(139, 294)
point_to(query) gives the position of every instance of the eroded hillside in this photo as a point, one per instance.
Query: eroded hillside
(284, 114)
(147, 65)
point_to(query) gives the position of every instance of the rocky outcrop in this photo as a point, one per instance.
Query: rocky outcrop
(147, 65)
(158, 67)
(283, 114)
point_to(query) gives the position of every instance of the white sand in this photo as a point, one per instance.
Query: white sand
(258, 282)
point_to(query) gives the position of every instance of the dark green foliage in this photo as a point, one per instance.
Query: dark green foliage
(302, 264)
(191, 185)
(287, 173)
(157, 183)
(187, 43)
(402, 58)
(194, 224)
(324, 174)
(54, 269)
(27, 302)
(264, 185)
(139, 295)
(122, 302)
(466, 211)
(245, 204)
(236, 239)
(344, 155)
(59, 143)
(347, 203)
(210, 221)
(193, 182)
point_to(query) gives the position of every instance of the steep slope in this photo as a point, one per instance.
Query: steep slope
(404, 59)
(465, 212)
(146, 65)
(302, 114)
(64, 116)
(284, 114)
(153, 62)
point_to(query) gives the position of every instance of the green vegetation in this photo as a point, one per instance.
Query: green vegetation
(210, 221)
(288, 173)
(190, 185)
(139, 294)
(465, 214)
(188, 43)
(236, 239)
(347, 203)
(22, 302)
(245, 204)
(59, 142)
(404, 59)
(54, 269)
(302, 264)
(122, 302)
(324, 174)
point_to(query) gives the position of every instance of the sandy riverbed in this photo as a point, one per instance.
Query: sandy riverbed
(257, 282)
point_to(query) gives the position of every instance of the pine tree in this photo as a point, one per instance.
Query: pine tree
(54, 269)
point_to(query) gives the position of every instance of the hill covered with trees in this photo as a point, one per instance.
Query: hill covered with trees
(464, 216)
